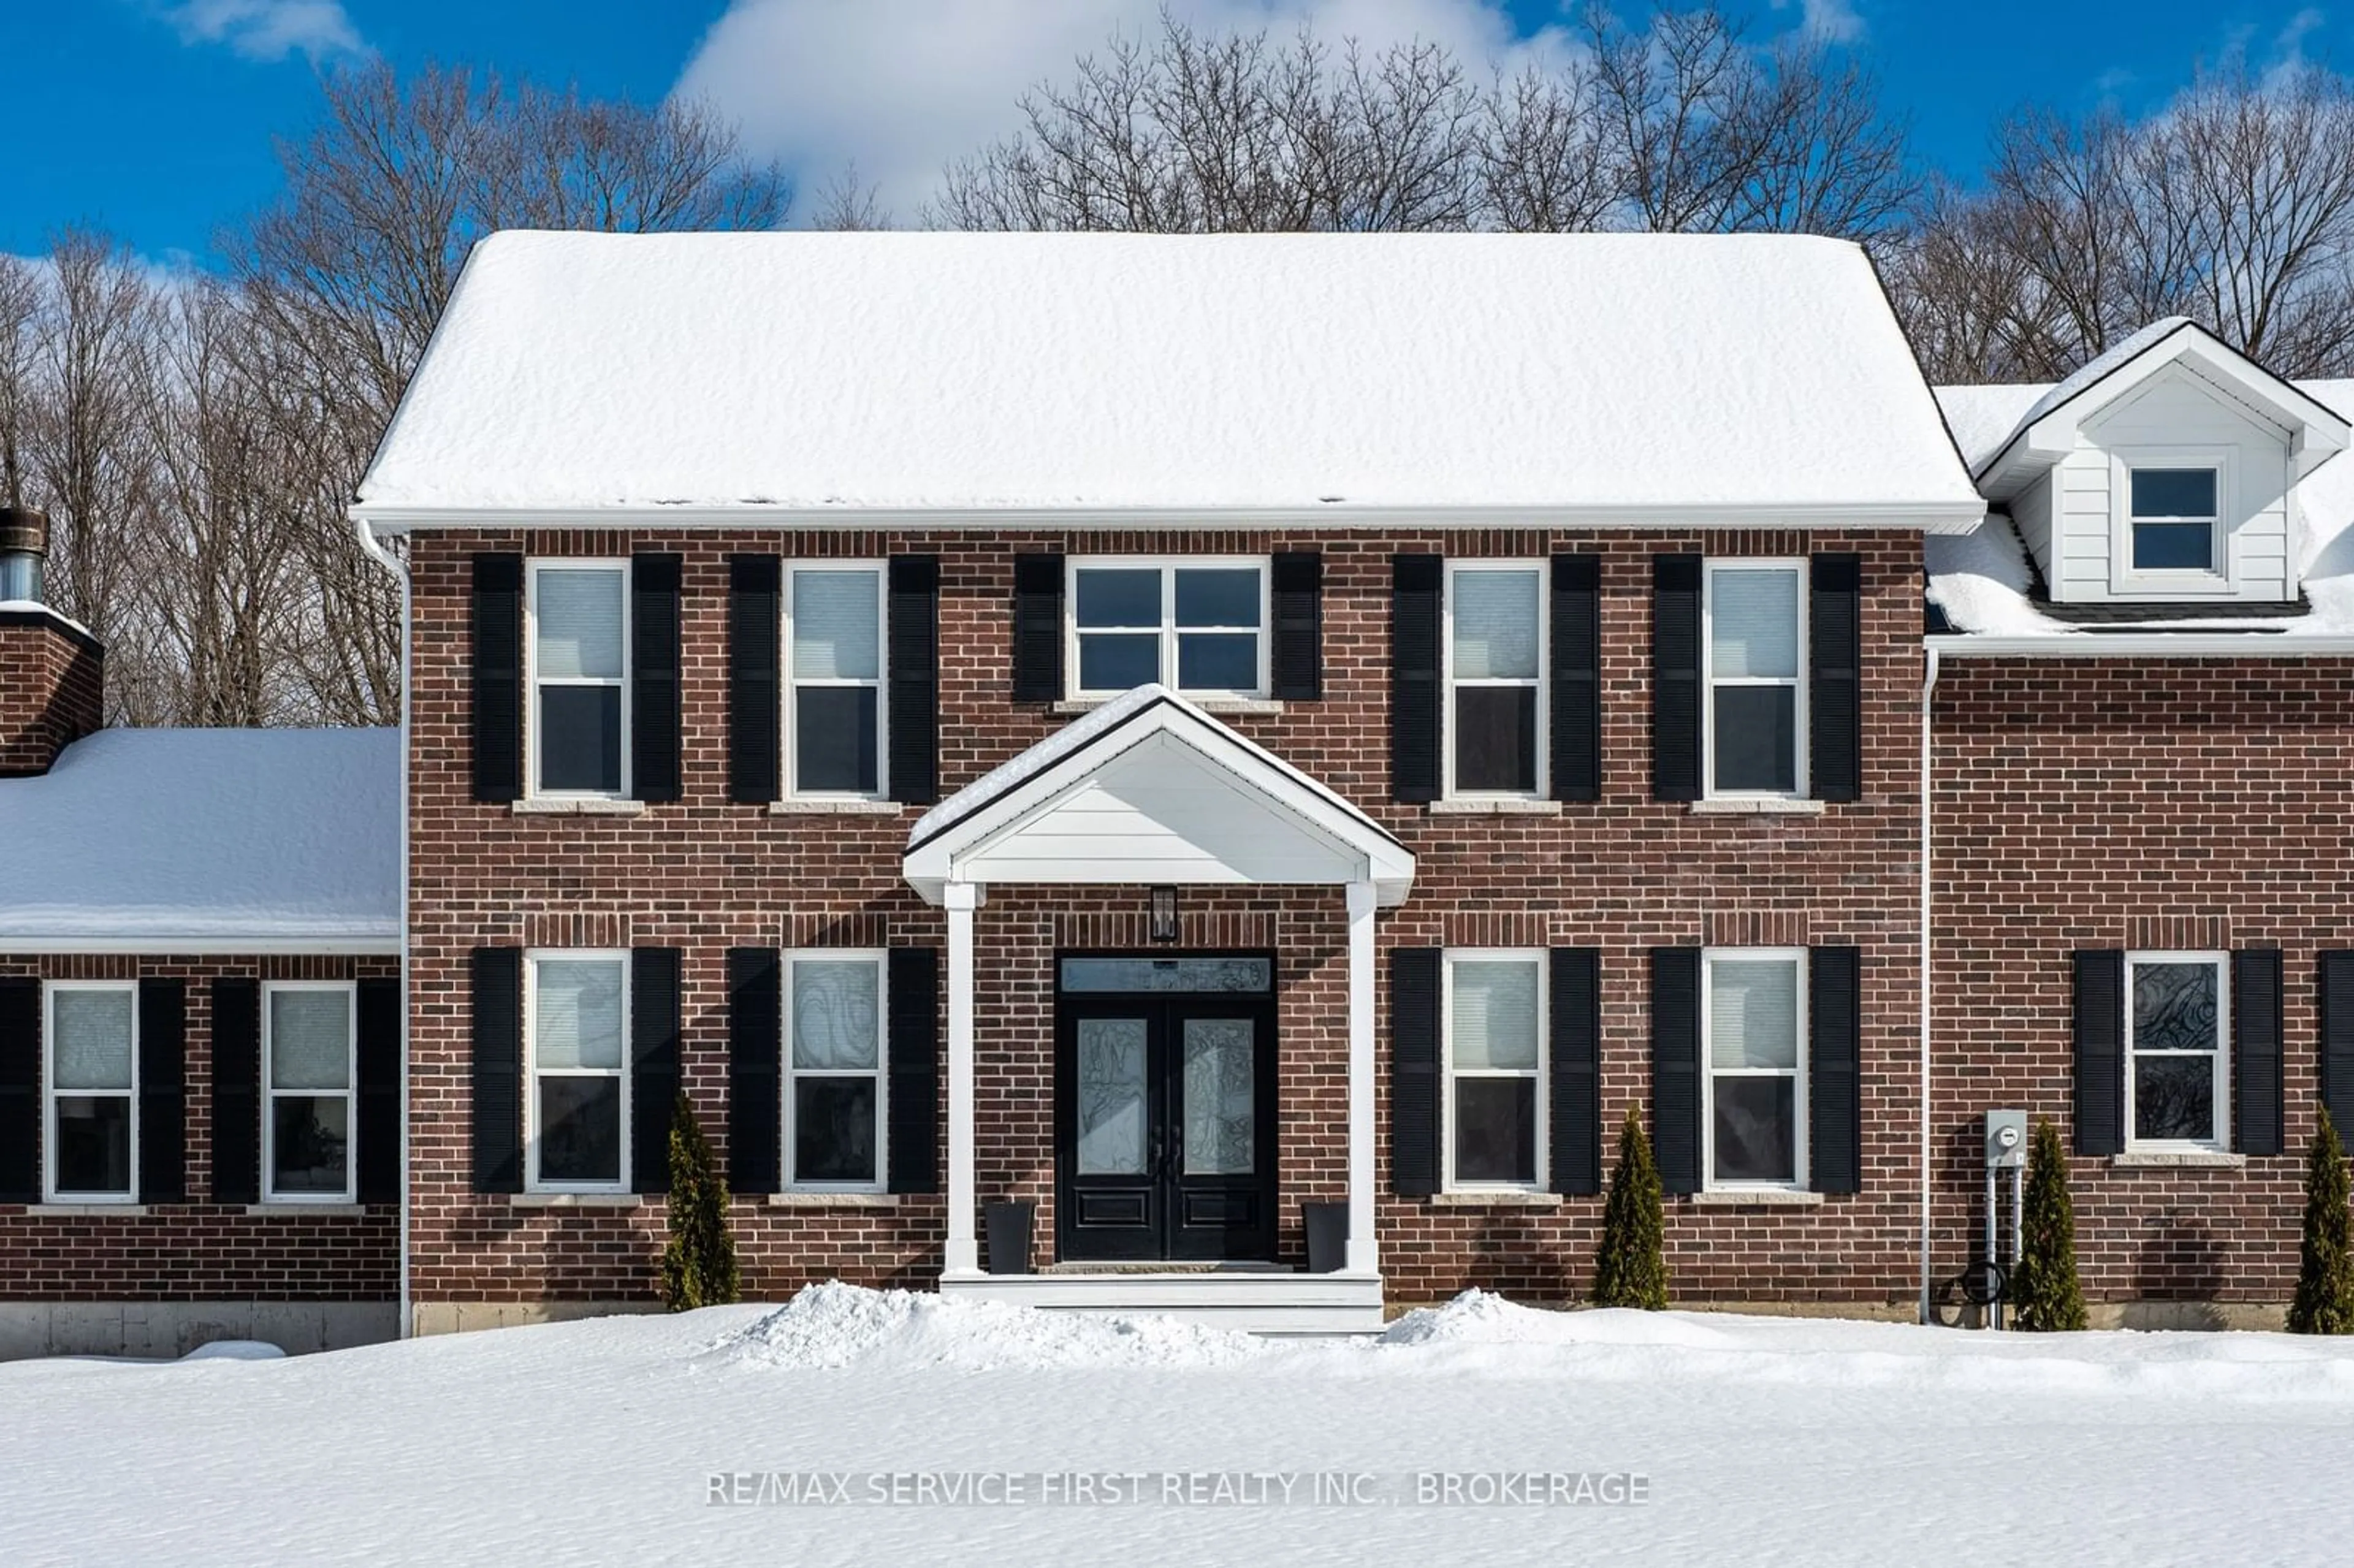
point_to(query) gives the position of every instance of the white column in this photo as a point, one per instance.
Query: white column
(963, 1255)
(1363, 1257)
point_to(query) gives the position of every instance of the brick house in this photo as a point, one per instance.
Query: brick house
(1219, 739)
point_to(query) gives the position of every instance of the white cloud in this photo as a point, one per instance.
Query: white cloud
(269, 29)
(1833, 21)
(903, 87)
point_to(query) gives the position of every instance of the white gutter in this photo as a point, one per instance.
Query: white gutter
(384, 558)
(1928, 694)
(198, 944)
(2143, 645)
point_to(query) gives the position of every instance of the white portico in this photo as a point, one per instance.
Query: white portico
(1150, 791)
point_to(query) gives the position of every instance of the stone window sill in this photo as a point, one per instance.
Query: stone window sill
(1499, 807)
(1762, 1197)
(574, 1200)
(1232, 708)
(834, 1199)
(1760, 808)
(590, 808)
(2178, 1160)
(1497, 1201)
(88, 1211)
(833, 808)
(300, 1211)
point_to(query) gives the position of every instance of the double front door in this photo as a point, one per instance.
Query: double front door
(1165, 1127)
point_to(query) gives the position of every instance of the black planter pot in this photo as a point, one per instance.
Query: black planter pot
(1010, 1223)
(1328, 1236)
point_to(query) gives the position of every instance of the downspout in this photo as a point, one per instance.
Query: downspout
(1928, 694)
(393, 564)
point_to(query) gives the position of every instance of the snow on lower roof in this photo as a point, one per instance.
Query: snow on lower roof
(1045, 372)
(210, 840)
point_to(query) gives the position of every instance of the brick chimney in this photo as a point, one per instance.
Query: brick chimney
(52, 673)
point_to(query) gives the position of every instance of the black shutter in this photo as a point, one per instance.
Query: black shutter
(163, 1091)
(2337, 1040)
(1575, 1100)
(1675, 1067)
(755, 1038)
(2256, 1050)
(497, 1087)
(378, 1043)
(1414, 1072)
(653, 677)
(1297, 591)
(1576, 677)
(1417, 586)
(1834, 1070)
(754, 583)
(237, 1090)
(915, 697)
(1834, 678)
(20, 1091)
(915, 1052)
(1038, 627)
(654, 1064)
(1675, 678)
(497, 677)
(2100, 1066)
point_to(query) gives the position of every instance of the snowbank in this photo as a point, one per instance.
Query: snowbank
(837, 1325)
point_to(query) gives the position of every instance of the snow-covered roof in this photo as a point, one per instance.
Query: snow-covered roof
(1324, 376)
(205, 841)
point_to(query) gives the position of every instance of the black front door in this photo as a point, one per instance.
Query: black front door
(1165, 1127)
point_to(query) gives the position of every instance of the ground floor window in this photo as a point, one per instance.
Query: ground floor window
(577, 1054)
(1754, 1019)
(2176, 1061)
(307, 1045)
(1494, 1051)
(93, 1098)
(834, 1086)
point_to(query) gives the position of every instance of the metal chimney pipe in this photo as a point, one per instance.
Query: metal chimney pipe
(24, 547)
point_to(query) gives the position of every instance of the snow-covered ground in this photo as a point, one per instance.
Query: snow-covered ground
(1754, 1440)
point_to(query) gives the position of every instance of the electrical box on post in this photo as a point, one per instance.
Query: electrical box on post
(2006, 1140)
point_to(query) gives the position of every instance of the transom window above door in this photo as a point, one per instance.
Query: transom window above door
(1198, 627)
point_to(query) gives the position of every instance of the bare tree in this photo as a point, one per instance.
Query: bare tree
(20, 304)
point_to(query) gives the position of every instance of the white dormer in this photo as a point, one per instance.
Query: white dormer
(2165, 471)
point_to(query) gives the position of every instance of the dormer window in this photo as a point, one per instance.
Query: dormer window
(2174, 520)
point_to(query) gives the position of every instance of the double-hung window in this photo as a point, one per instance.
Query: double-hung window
(834, 1083)
(2177, 1064)
(1495, 678)
(835, 619)
(1197, 626)
(577, 1056)
(1494, 1042)
(2172, 517)
(1754, 1051)
(308, 1070)
(93, 1080)
(1755, 705)
(580, 678)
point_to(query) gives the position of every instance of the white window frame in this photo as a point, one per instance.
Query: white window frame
(1710, 681)
(1168, 566)
(51, 1094)
(349, 1192)
(2126, 580)
(2221, 1099)
(1536, 958)
(1800, 1156)
(880, 1073)
(534, 684)
(1542, 686)
(531, 1074)
(881, 683)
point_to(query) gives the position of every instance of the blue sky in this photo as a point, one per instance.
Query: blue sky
(155, 117)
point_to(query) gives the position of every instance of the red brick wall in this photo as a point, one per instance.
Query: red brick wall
(199, 1250)
(1624, 874)
(52, 686)
(2172, 803)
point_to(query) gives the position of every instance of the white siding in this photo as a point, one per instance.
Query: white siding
(2031, 514)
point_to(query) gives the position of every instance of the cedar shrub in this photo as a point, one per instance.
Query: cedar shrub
(2044, 1296)
(2324, 1303)
(1631, 1269)
(698, 1264)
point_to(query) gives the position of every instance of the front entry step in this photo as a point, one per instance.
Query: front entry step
(1257, 1301)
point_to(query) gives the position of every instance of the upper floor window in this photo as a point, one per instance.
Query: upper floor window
(1495, 677)
(1494, 1045)
(834, 1083)
(309, 1070)
(2173, 513)
(580, 678)
(1754, 1056)
(1754, 710)
(2178, 1067)
(576, 1056)
(93, 1084)
(1197, 626)
(834, 695)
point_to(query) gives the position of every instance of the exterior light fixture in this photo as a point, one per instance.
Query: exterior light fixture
(1164, 914)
